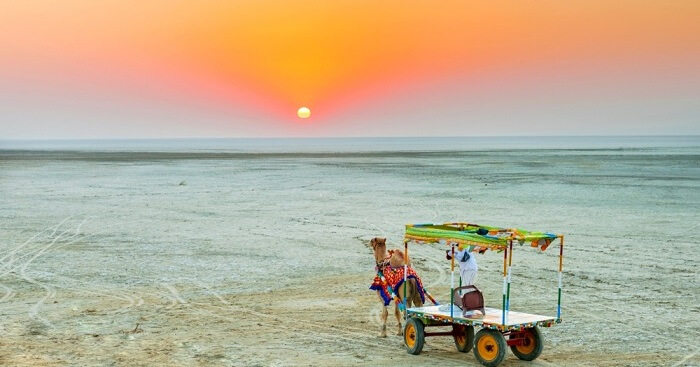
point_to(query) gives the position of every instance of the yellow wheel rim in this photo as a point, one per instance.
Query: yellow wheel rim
(487, 347)
(460, 338)
(410, 334)
(528, 344)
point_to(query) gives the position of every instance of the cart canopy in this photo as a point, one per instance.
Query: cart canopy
(486, 237)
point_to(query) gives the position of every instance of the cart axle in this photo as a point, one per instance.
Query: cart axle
(441, 333)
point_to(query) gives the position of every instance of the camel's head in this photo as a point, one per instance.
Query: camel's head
(379, 248)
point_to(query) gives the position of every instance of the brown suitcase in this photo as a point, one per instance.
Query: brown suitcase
(472, 300)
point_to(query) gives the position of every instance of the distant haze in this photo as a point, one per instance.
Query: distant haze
(183, 69)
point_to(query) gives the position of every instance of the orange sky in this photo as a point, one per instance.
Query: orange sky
(260, 60)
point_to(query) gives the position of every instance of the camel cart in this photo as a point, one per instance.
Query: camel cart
(499, 327)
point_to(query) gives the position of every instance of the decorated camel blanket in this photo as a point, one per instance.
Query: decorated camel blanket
(394, 279)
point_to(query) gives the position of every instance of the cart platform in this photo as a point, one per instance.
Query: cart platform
(434, 315)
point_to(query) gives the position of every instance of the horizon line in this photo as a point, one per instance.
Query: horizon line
(344, 137)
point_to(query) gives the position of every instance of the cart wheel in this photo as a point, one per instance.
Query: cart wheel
(413, 335)
(490, 347)
(532, 345)
(464, 337)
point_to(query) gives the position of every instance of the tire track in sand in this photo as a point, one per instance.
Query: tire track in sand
(16, 249)
(49, 290)
(11, 254)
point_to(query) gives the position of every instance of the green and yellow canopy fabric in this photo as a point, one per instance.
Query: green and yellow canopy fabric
(486, 237)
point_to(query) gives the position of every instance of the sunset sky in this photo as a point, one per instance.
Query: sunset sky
(171, 68)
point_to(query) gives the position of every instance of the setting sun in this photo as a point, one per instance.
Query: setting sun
(303, 112)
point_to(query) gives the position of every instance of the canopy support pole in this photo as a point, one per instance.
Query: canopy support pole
(561, 266)
(510, 263)
(405, 276)
(505, 282)
(452, 283)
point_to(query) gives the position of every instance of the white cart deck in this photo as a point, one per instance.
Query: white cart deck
(492, 320)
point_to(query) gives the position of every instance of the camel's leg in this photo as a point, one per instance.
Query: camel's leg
(398, 315)
(384, 315)
(416, 295)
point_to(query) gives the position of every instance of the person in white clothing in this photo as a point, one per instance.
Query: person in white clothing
(467, 264)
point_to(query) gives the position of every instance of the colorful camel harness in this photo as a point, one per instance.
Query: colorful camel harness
(390, 279)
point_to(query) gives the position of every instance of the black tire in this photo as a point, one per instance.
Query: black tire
(464, 337)
(413, 335)
(534, 343)
(490, 347)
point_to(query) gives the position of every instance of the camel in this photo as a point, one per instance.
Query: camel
(389, 263)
